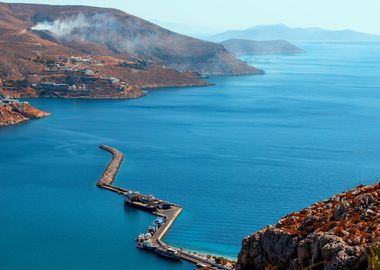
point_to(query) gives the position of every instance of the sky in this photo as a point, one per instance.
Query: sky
(219, 15)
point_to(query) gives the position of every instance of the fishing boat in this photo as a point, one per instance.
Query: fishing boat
(139, 205)
(148, 245)
(140, 240)
(168, 253)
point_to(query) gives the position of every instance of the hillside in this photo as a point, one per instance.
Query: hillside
(27, 30)
(281, 31)
(15, 113)
(332, 234)
(253, 47)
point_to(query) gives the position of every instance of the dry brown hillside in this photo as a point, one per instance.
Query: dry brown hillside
(332, 234)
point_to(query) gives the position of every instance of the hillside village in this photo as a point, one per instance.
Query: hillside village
(75, 77)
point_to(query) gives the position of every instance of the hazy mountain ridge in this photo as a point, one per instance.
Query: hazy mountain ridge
(281, 31)
(254, 47)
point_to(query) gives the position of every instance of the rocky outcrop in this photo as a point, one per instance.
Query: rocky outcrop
(333, 234)
(11, 114)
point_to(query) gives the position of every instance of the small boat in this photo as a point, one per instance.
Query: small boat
(165, 206)
(148, 245)
(159, 221)
(152, 229)
(139, 205)
(140, 240)
(168, 253)
(147, 236)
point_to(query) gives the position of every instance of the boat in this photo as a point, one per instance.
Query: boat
(165, 206)
(147, 236)
(153, 228)
(159, 221)
(139, 205)
(148, 245)
(168, 253)
(140, 240)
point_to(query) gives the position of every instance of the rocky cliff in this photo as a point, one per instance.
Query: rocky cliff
(332, 234)
(11, 114)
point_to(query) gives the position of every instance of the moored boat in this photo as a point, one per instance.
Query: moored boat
(139, 205)
(140, 240)
(148, 245)
(168, 253)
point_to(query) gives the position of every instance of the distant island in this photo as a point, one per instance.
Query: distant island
(281, 31)
(254, 47)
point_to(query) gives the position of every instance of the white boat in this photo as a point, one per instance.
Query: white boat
(140, 240)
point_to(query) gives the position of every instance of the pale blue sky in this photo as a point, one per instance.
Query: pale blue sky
(360, 15)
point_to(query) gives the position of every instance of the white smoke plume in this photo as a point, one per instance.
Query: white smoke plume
(100, 28)
(64, 29)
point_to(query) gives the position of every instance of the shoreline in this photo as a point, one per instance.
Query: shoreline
(16, 113)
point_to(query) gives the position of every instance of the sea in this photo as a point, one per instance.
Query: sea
(237, 156)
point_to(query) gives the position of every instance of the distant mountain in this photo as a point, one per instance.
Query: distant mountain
(192, 30)
(281, 31)
(252, 47)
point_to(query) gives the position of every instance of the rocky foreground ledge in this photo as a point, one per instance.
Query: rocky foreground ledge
(15, 113)
(332, 234)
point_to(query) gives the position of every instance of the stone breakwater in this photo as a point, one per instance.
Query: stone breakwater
(113, 167)
(332, 234)
(15, 113)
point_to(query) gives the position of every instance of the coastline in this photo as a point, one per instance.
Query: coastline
(19, 112)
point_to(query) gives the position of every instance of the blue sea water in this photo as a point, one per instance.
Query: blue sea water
(237, 156)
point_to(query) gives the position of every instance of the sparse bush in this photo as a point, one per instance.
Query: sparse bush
(221, 260)
(373, 257)
(270, 267)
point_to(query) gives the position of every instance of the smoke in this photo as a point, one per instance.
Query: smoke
(129, 36)
(65, 28)
(102, 28)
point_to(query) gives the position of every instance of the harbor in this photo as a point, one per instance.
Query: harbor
(166, 213)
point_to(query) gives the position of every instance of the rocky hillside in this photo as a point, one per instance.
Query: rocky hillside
(11, 114)
(27, 30)
(253, 47)
(332, 234)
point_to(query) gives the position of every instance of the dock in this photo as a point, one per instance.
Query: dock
(160, 208)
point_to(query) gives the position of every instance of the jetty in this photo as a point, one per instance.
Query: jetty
(166, 213)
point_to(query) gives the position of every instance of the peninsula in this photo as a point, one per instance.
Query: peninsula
(102, 53)
(14, 112)
(97, 53)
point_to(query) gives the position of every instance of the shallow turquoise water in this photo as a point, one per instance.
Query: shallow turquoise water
(237, 156)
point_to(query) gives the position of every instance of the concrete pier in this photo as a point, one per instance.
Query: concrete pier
(170, 215)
